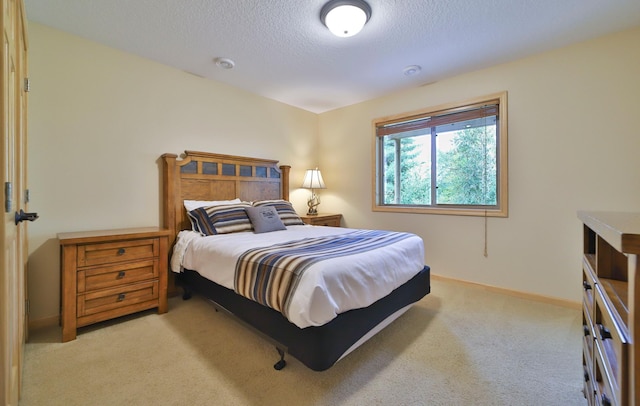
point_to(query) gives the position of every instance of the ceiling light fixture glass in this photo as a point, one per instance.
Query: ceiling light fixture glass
(345, 18)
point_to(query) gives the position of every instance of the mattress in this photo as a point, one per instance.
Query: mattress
(327, 288)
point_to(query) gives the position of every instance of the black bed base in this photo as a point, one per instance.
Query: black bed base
(316, 347)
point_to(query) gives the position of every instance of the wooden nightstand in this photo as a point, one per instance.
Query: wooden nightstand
(323, 219)
(111, 273)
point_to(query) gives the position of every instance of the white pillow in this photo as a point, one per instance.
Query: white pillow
(194, 204)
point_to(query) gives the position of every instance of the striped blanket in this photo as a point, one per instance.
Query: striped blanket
(270, 275)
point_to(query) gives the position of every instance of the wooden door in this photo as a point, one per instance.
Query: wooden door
(13, 314)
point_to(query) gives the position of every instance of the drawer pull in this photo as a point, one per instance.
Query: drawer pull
(586, 330)
(586, 285)
(604, 332)
(121, 251)
(121, 297)
(122, 273)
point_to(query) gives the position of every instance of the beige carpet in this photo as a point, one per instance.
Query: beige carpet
(460, 345)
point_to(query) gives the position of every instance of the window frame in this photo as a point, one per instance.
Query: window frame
(501, 209)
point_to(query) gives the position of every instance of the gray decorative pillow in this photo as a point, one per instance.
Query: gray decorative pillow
(265, 219)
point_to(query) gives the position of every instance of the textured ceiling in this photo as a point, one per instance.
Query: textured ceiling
(282, 51)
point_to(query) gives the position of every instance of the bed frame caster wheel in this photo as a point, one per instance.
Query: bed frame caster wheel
(282, 363)
(186, 295)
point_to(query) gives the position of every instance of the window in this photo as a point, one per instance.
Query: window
(447, 160)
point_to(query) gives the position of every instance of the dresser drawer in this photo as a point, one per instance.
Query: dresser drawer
(588, 339)
(588, 287)
(117, 298)
(120, 251)
(117, 275)
(588, 390)
(603, 389)
(612, 348)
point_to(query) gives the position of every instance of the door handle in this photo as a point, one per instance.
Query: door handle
(22, 216)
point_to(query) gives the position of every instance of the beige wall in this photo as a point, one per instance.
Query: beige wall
(573, 144)
(99, 119)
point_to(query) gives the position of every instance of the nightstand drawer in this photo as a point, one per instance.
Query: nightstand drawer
(117, 298)
(120, 251)
(329, 220)
(116, 275)
(326, 222)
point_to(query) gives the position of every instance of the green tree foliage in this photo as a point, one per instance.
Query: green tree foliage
(467, 172)
(415, 172)
(466, 169)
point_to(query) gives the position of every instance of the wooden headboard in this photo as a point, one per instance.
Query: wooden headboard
(207, 176)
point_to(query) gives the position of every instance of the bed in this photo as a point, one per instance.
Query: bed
(318, 340)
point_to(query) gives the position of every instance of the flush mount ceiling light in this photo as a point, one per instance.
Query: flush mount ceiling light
(345, 18)
(411, 70)
(224, 63)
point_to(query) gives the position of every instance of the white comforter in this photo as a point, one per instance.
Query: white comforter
(327, 288)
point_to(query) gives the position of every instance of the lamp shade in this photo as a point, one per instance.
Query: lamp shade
(345, 18)
(313, 179)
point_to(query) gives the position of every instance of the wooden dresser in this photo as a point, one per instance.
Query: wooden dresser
(111, 273)
(611, 292)
(323, 219)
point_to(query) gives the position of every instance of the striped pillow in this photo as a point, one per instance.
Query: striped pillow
(221, 219)
(285, 210)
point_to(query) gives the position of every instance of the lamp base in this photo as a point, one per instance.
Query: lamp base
(313, 204)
